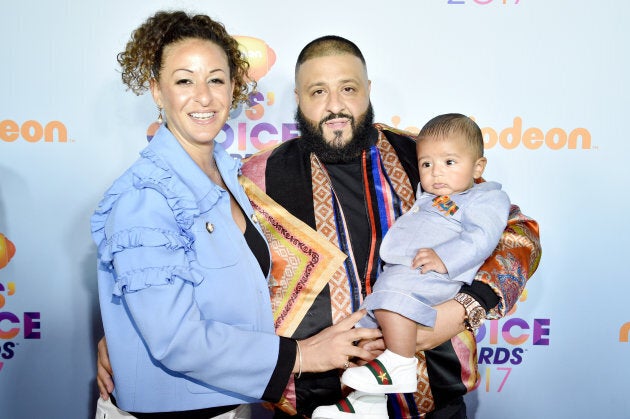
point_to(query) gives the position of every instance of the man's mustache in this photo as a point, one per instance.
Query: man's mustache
(336, 116)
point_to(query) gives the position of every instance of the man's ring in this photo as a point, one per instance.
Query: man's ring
(346, 365)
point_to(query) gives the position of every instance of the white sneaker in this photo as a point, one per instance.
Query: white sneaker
(388, 373)
(356, 405)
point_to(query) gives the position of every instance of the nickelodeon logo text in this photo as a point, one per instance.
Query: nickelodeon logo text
(33, 131)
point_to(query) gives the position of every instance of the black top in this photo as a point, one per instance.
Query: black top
(257, 245)
(346, 181)
(188, 414)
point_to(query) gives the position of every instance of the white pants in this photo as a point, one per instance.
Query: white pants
(244, 411)
(105, 409)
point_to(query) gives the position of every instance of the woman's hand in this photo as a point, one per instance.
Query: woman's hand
(449, 323)
(374, 346)
(334, 347)
(104, 371)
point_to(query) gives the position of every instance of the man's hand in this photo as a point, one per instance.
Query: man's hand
(448, 324)
(104, 371)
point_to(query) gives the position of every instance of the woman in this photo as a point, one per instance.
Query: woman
(182, 262)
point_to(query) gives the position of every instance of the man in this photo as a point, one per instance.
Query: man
(359, 177)
(349, 179)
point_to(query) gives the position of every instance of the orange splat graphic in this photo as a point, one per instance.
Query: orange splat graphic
(7, 251)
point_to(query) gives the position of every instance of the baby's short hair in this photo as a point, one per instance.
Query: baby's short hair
(446, 125)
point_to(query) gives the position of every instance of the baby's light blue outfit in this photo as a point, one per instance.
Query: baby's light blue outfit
(463, 229)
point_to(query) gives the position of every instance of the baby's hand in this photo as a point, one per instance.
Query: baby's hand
(427, 260)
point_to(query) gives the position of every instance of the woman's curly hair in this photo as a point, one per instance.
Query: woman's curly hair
(141, 60)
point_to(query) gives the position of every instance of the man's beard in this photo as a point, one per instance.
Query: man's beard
(313, 136)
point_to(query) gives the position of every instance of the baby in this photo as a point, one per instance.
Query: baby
(428, 254)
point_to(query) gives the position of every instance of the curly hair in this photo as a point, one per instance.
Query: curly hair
(141, 60)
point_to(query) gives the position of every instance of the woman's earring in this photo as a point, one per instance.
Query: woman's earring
(155, 125)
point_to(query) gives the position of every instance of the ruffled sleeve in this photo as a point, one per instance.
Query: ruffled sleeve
(142, 229)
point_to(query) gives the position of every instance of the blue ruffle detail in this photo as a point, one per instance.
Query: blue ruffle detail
(181, 200)
(142, 237)
(137, 280)
(142, 278)
(151, 171)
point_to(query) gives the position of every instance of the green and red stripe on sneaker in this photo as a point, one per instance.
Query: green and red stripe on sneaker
(379, 371)
(345, 406)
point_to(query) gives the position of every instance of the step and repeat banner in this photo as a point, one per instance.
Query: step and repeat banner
(546, 80)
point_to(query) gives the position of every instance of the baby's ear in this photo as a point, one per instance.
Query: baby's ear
(480, 166)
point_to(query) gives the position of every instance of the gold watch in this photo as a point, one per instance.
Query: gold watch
(475, 313)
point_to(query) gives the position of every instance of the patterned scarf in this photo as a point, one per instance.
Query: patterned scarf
(388, 194)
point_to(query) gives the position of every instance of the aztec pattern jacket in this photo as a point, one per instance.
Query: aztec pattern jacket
(323, 285)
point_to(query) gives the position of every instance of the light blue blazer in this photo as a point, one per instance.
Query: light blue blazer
(184, 303)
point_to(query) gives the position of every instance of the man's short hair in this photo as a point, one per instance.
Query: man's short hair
(326, 46)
